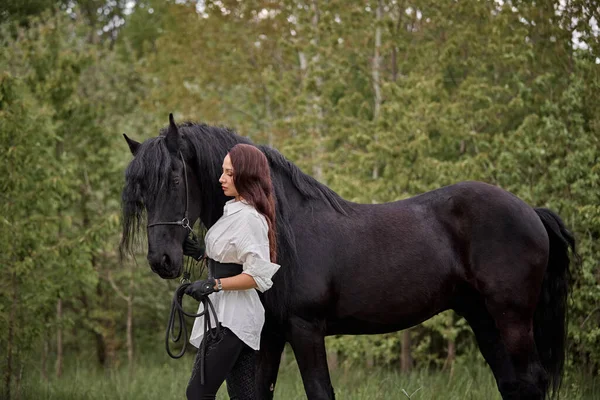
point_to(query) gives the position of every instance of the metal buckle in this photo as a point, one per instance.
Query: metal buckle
(185, 278)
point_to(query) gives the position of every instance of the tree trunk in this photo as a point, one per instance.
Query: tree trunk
(317, 170)
(266, 124)
(101, 348)
(332, 360)
(129, 300)
(377, 61)
(44, 367)
(105, 339)
(449, 363)
(59, 150)
(99, 339)
(130, 322)
(59, 338)
(394, 64)
(401, 12)
(406, 360)
(12, 317)
(376, 78)
(18, 381)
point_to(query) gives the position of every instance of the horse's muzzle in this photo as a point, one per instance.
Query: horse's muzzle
(164, 265)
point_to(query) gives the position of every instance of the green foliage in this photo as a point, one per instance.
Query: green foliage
(61, 178)
(469, 90)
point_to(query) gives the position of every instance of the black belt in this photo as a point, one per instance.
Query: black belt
(219, 270)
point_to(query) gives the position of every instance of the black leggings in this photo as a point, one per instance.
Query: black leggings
(227, 357)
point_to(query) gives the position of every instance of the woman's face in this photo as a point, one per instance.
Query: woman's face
(226, 178)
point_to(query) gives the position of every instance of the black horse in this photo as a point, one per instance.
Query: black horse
(352, 268)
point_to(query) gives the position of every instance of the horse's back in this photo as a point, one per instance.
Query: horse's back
(414, 255)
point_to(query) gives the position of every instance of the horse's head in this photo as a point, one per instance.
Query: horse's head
(159, 182)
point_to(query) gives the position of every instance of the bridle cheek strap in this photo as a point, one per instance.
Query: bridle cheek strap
(185, 222)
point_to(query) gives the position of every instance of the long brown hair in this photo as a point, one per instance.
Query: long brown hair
(252, 179)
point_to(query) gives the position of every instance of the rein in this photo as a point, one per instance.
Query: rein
(177, 311)
(179, 314)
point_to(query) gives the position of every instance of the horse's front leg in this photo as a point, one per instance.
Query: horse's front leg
(308, 342)
(272, 342)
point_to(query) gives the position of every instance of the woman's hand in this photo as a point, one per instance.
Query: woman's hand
(200, 289)
(193, 248)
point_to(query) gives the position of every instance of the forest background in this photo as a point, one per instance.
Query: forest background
(380, 100)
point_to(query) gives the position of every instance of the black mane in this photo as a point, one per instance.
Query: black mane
(146, 177)
(212, 143)
(308, 187)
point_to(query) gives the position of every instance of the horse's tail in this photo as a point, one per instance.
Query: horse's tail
(550, 319)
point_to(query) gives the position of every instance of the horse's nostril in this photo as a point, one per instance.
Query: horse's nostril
(166, 260)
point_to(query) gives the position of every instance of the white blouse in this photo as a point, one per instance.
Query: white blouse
(239, 236)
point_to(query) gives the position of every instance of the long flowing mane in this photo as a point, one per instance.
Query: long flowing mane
(204, 147)
(145, 177)
(307, 186)
(148, 173)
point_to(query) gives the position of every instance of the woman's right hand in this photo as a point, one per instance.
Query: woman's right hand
(193, 248)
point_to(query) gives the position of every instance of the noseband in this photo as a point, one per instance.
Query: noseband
(185, 222)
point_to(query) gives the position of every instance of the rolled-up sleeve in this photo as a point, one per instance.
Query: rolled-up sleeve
(261, 270)
(252, 247)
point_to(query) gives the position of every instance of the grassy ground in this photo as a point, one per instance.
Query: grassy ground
(163, 379)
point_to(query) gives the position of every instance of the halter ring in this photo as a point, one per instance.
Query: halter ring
(185, 222)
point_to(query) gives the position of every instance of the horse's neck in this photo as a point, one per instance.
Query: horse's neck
(211, 216)
(288, 192)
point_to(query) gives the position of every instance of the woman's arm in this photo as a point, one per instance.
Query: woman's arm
(238, 282)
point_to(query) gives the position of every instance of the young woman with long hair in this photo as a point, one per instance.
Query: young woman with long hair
(242, 251)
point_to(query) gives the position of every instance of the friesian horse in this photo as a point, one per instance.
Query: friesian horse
(352, 268)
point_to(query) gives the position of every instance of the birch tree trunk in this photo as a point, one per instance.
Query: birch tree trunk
(316, 100)
(375, 73)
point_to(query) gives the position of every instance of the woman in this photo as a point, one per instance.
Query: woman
(244, 237)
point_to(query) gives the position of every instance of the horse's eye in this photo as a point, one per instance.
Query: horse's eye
(177, 181)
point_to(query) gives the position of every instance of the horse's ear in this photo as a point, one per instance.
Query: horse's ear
(173, 136)
(133, 145)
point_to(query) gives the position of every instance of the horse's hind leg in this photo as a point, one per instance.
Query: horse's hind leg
(505, 338)
(516, 330)
(471, 306)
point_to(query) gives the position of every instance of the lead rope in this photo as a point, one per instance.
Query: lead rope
(178, 313)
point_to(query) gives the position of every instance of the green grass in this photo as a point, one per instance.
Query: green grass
(162, 378)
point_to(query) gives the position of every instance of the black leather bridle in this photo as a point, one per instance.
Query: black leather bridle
(177, 312)
(185, 222)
